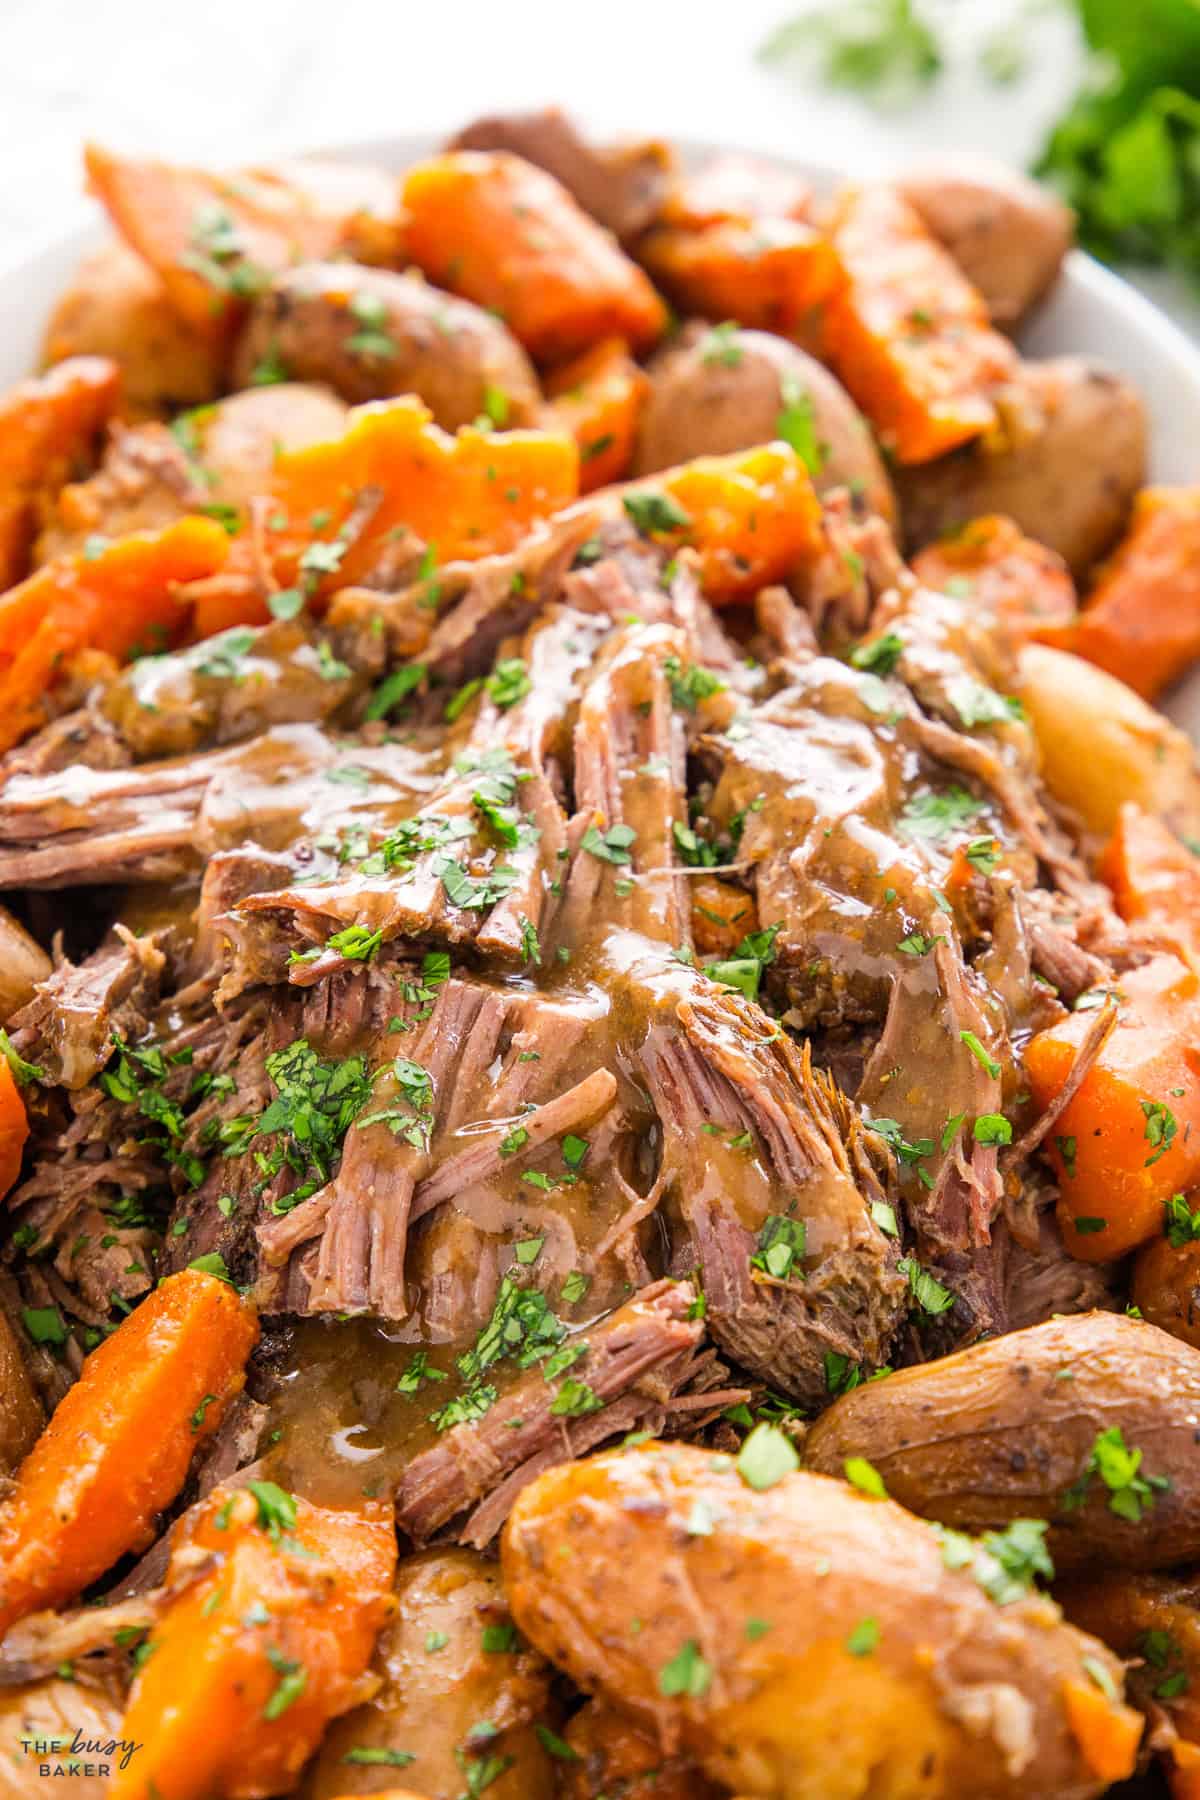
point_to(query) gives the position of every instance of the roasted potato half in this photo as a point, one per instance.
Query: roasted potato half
(1008, 235)
(116, 306)
(800, 1640)
(370, 334)
(1066, 466)
(1103, 745)
(449, 1663)
(719, 388)
(1042, 1423)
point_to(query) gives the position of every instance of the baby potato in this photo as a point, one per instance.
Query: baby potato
(116, 306)
(239, 438)
(1103, 745)
(23, 963)
(1066, 470)
(1008, 235)
(613, 1756)
(720, 388)
(1166, 1288)
(371, 334)
(1089, 1422)
(449, 1663)
(802, 1641)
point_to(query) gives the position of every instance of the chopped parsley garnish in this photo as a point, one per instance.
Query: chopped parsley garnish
(767, 1455)
(1160, 1129)
(892, 1133)
(687, 1673)
(378, 1756)
(865, 1477)
(417, 1373)
(690, 683)
(293, 1680)
(992, 1128)
(44, 1324)
(864, 1638)
(316, 1102)
(612, 845)
(880, 655)
(508, 682)
(986, 1062)
(276, 1508)
(652, 512)
(925, 1288)
(23, 1072)
(983, 854)
(1003, 1563)
(1182, 1224)
(575, 1287)
(1067, 1148)
(796, 424)
(575, 1398)
(395, 688)
(932, 817)
(722, 347)
(781, 1244)
(1119, 1466)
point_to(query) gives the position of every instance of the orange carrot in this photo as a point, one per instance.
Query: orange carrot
(14, 1128)
(216, 240)
(908, 334)
(1108, 1734)
(46, 426)
(1130, 1137)
(773, 274)
(1183, 1770)
(1141, 620)
(722, 915)
(469, 495)
(993, 564)
(122, 599)
(118, 1448)
(1154, 878)
(597, 399)
(752, 516)
(493, 228)
(246, 1669)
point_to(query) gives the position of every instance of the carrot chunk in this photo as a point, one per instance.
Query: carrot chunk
(772, 274)
(597, 400)
(907, 333)
(246, 1669)
(122, 599)
(1141, 620)
(751, 517)
(46, 426)
(1130, 1137)
(493, 228)
(722, 915)
(743, 188)
(118, 1448)
(217, 239)
(993, 564)
(469, 494)
(1154, 878)
(1107, 1733)
(14, 1128)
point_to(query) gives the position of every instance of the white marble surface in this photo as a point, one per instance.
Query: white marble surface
(236, 77)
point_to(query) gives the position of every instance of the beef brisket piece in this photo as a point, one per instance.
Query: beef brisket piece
(644, 1348)
(67, 1028)
(760, 1148)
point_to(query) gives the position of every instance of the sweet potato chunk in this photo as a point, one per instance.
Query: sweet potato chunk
(1141, 620)
(46, 426)
(907, 333)
(1130, 1137)
(505, 234)
(1000, 570)
(772, 274)
(598, 399)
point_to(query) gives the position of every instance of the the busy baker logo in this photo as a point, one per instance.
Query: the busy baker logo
(80, 1756)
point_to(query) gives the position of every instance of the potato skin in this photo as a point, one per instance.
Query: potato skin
(116, 306)
(1075, 457)
(240, 437)
(1166, 1288)
(1102, 745)
(712, 395)
(616, 1757)
(1008, 235)
(607, 1574)
(431, 1699)
(445, 350)
(21, 1415)
(1005, 1430)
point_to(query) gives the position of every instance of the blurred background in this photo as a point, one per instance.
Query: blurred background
(237, 78)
